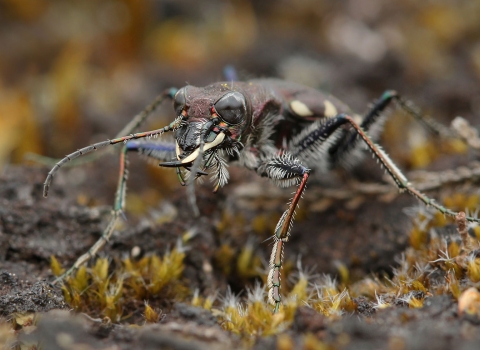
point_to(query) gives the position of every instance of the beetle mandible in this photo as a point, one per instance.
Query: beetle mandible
(281, 130)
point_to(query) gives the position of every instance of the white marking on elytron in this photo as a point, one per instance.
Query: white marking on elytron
(218, 140)
(300, 109)
(177, 149)
(358, 119)
(330, 109)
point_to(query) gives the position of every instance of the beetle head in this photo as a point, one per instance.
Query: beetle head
(216, 115)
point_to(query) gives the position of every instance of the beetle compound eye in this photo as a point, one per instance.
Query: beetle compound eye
(179, 101)
(232, 108)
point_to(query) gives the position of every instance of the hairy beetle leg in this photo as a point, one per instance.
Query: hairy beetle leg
(347, 151)
(323, 136)
(285, 170)
(152, 150)
(282, 233)
(116, 212)
(156, 150)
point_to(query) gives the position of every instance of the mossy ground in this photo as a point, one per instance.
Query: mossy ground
(160, 270)
(75, 72)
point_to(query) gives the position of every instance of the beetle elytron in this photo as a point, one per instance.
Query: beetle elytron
(281, 130)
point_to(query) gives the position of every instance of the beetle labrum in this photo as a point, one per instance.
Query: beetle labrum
(281, 130)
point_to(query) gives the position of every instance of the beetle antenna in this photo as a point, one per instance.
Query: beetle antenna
(96, 146)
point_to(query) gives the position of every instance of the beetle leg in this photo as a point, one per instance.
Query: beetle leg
(140, 118)
(347, 151)
(313, 142)
(197, 160)
(116, 212)
(192, 199)
(430, 124)
(180, 176)
(152, 150)
(128, 129)
(312, 145)
(284, 170)
(400, 180)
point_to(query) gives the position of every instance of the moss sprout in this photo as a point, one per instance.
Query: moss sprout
(105, 288)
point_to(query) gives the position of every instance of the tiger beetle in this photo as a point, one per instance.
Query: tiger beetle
(281, 130)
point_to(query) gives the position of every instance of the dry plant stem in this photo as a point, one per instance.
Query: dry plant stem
(466, 132)
(430, 180)
(427, 181)
(462, 229)
(436, 180)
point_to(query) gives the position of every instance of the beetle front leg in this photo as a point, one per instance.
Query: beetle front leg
(116, 212)
(285, 171)
(151, 150)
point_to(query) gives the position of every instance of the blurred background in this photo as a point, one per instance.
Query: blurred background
(75, 72)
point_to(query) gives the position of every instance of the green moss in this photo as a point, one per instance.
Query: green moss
(96, 291)
(105, 288)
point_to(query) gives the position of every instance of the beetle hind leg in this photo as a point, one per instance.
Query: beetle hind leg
(348, 150)
(311, 146)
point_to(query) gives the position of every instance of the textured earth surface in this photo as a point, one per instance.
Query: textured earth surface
(74, 73)
(366, 239)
